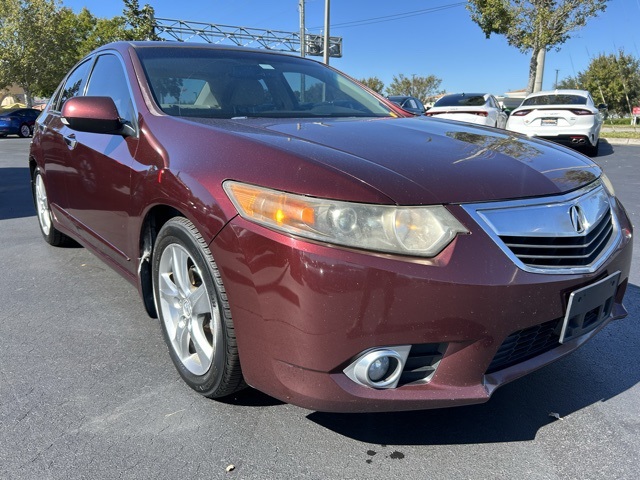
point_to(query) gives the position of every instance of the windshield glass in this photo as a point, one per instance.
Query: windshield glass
(225, 83)
(556, 100)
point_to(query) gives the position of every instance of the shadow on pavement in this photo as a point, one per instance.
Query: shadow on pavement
(602, 369)
(605, 148)
(15, 194)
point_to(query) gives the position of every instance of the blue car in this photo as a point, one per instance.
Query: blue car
(19, 122)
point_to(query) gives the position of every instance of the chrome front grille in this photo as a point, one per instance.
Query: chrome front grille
(564, 234)
(553, 252)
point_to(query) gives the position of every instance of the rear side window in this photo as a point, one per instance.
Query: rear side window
(73, 86)
(108, 80)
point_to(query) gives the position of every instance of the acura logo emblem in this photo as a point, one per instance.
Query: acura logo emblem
(578, 219)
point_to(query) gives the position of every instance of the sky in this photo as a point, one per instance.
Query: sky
(384, 38)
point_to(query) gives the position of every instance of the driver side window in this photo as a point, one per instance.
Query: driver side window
(108, 80)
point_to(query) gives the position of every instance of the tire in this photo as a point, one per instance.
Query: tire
(194, 312)
(24, 131)
(592, 150)
(50, 234)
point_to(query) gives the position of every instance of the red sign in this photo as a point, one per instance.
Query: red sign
(636, 110)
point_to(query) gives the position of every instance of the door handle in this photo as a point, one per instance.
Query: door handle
(71, 141)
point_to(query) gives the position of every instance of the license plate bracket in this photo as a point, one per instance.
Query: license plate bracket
(588, 307)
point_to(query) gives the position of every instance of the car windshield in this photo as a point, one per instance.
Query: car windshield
(560, 99)
(225, 83)
(461, 100)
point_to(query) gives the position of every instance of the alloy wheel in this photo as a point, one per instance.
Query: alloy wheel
(42, 205)
(190, 314)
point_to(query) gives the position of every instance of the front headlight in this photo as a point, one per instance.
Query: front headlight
(607, 185)
(421, 231)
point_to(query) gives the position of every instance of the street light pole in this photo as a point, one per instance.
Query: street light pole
(303, 40)
(326, 31)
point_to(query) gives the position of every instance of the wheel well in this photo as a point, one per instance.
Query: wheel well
(155, 219)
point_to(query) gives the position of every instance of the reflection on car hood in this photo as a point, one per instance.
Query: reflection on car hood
(438, 161)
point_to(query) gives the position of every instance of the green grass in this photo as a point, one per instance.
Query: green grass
(621, 134)
(623, 122)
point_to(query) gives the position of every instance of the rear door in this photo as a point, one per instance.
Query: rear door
(55, 151)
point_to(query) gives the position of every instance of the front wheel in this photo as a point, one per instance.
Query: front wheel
(194, 312)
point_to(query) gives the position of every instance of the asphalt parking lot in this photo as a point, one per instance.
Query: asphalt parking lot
(87, 389)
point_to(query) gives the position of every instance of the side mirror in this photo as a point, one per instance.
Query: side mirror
(94, 115)
(602, 106)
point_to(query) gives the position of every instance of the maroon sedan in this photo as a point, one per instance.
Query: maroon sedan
(298, 234)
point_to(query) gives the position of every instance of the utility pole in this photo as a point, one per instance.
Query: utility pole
(326, 31)
(303, 43)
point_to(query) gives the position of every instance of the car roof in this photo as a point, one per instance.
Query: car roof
(122, 45)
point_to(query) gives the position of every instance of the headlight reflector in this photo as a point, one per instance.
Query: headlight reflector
(423, 231)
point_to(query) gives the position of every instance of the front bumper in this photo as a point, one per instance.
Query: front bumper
(304, 311)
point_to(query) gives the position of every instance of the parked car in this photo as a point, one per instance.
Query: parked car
(296, 233)
(568, 117)
(478, 108)
(18, 122)
(410, 104)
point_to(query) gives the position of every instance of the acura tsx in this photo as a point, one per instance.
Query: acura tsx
(299, 234)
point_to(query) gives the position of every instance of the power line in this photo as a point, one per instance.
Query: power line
(389, 18)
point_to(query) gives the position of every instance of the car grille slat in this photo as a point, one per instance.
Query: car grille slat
(525, 344)
(577, 251)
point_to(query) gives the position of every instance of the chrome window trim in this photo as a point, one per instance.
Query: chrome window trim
(481, 211)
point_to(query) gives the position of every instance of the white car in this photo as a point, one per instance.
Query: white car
(478, 108)
(569, 117)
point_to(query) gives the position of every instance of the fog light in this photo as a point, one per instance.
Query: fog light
(378, 369)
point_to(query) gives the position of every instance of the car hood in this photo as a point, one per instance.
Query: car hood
(426, 161)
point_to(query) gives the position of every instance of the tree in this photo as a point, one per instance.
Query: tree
(570, 83)
(141, 21)
(533, 25)
(613, 78)
(374, 83)
(423, 88)
(29, 32)
(93, 32)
